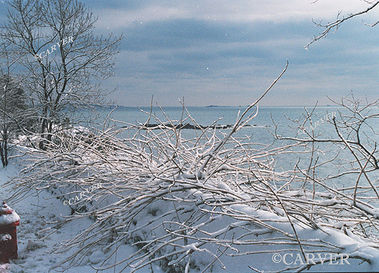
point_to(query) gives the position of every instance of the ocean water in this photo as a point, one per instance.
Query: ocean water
(261, 128)
(267, 117)
(284, 119)
(207, 115)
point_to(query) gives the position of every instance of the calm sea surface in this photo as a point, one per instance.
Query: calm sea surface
(208, 115)
(260, 131)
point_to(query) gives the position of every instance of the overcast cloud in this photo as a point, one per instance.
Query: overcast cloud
(226, 52)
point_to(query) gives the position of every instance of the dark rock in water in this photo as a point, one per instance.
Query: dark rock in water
(212, 106)
(155, 126)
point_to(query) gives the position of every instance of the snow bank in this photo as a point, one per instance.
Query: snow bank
(199, 204)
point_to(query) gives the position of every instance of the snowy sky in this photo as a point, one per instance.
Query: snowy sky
(226, 52)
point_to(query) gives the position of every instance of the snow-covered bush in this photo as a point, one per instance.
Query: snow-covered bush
(213, 199)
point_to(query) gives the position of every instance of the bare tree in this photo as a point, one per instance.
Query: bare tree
(15, 115)
(12, 108)
(63, 60)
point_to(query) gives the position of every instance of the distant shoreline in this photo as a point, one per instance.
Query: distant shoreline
(210, 106)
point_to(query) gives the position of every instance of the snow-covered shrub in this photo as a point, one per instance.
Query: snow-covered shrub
(210, 200)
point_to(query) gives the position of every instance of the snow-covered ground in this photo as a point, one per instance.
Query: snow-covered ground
(36, 241)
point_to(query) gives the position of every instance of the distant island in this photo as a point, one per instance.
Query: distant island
(210, 106)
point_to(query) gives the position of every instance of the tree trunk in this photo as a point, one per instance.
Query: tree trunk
(2, 154)
(4, 148)
(44, 128)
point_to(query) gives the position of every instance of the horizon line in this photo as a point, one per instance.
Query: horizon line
(215, 106)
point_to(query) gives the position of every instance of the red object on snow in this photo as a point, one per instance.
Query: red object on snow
(9, 220)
